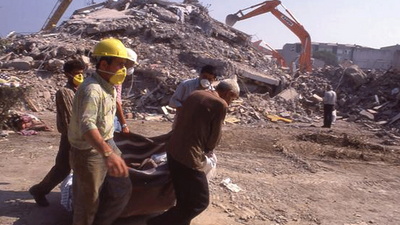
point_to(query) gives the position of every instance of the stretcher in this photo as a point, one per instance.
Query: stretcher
(152, 189)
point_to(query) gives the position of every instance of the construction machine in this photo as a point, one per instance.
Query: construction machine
(281, 61)
(55, 14)
(290, 22)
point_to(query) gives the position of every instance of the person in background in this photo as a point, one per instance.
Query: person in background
(73, 71)
(329, 106)
(120, 124)
(94, 156)
(197, 133)
(206, 77)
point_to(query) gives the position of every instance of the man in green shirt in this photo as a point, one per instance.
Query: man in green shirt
(93, 152)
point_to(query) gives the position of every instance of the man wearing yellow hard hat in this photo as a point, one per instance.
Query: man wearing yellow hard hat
(93, 153)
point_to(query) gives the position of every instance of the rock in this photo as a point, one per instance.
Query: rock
(316, 98)
(129, 115)
(85, 60)
(367, 114)
(47, 96)
(64, 51)
(21, 64)
(352, 118)
(341, 102)
(55, 64)
(289, 94)
(164, 14)
(356, 75)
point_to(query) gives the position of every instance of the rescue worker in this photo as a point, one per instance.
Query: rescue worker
(120, 124)
(329, 106)
(197, 132)
(93, 152)
(206, 77)
(73, 71)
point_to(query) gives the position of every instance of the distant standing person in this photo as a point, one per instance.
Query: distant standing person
(73, 71)
(197, 133)
(329, 106)
(185, 88)
(120, 124)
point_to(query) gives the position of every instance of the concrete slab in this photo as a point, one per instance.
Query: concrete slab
(251, 73)
(289, 94)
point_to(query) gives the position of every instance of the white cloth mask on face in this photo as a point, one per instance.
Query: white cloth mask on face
(130, 71)
(205, 83)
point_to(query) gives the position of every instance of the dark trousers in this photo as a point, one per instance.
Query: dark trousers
(192, 195)
(328, 110)
(59, 171)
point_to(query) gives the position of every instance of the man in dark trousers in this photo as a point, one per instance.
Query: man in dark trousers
(197, 132)
(73, 71)
(329, 106)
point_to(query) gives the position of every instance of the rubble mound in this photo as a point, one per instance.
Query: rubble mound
(173, 41)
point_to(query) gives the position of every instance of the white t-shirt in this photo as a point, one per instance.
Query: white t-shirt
(330, 97)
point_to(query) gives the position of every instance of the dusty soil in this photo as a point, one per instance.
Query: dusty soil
(288, 173)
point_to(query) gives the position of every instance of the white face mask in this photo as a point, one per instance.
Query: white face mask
(130, 71)
(205, 83)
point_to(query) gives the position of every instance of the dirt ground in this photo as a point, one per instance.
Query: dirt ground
(289, 174)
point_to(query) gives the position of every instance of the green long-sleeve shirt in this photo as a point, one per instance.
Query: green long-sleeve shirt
(94, 107)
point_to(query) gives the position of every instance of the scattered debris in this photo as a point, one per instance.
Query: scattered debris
(231, 186)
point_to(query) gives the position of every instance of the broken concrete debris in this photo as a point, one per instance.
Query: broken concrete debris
(174, 40)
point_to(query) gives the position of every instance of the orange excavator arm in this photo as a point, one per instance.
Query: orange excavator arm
(55, 15)
(275, 54)
(289, 21)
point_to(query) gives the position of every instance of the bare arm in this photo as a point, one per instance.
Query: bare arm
(115, 164)
(121, 118)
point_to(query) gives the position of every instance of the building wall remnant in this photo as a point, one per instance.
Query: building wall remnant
(364, 57)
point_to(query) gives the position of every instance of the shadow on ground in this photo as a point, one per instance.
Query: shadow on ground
(20, 207)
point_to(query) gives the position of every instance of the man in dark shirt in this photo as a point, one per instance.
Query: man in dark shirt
(197, 132)
(73, 71)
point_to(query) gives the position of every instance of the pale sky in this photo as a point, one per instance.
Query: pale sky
(369, 23)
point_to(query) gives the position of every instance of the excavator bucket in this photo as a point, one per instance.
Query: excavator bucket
(231, 19)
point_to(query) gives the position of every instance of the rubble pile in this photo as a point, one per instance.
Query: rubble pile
(372, 98)
(173, 42)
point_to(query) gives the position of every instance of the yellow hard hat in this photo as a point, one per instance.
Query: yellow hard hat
(110, 47)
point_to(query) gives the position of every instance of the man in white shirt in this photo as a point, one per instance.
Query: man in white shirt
(329, 106)
(206, 77)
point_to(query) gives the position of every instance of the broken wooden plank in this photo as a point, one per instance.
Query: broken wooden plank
(31, 105)
(394, 119)
(231, 119)
(275, 118)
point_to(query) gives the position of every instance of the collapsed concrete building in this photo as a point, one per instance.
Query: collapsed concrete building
(174, 40)
(171, 39)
